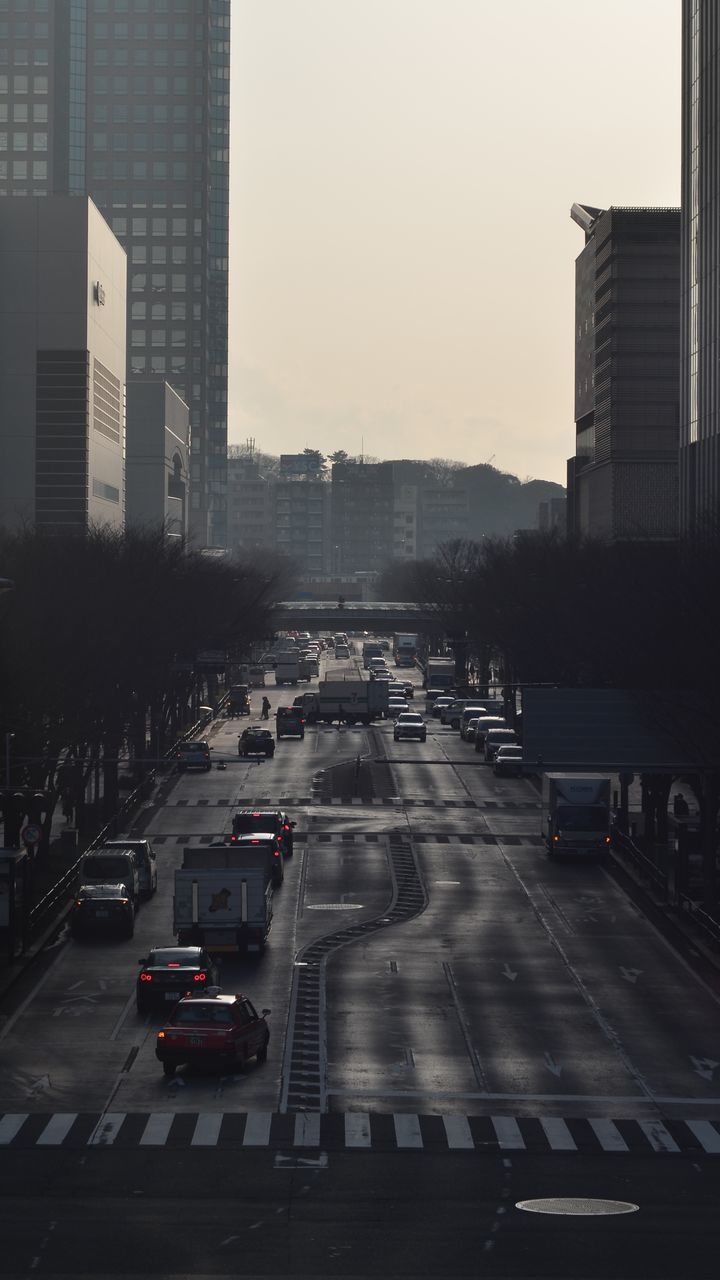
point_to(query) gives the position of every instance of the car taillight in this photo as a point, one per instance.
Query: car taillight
(286, 826)
(556, 838)
(173, 964)
(607, 839)
(161, 1035)
(234, 839)
(277, 853)
(146, 977)
(199, 977)
(80, 902)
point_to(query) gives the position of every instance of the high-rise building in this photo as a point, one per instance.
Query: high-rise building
(157, 457)
(623, 478)
(128, 101)
(700, 265)
(363, 498)
(62, 366)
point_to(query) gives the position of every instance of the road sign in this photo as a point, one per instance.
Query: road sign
(31, 833)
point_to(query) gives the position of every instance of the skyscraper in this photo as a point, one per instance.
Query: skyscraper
(700, 265)
(128, 101)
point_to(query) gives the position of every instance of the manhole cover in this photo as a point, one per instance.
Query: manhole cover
(577, 1206)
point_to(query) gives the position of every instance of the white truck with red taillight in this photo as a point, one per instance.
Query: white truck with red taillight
(223, 899)
(575, 813)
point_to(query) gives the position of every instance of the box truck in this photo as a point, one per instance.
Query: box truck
(576, 813)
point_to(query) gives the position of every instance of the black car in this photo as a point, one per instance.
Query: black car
(246, 821)
(169, 973)
(102, 908)
(256, 742)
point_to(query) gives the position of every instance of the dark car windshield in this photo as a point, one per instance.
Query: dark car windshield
(174, 956)
(254, 822)
(105, 868)
(195, 1012)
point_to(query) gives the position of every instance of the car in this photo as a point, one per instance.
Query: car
(215, 1029)
(384, 645)
(262, 842)
(193, 755)
(467, 729)
(290, 722)
(410, 724)
(409, 688)
(169, 973)
(496, 738)
(484, 724)
(472, 711)
(256, 742)
(508, 761)
(102, 908)
(342, 651)
(396, 689)
(275, 820)
(146, 861)
(432, 695)
(438, 705)
(451, 714)
(396, 706)
(381, 676)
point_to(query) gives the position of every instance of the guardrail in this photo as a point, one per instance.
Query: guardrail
(646, 868)
(61, 890)
(644, 865)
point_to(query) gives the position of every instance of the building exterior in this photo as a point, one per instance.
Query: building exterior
(302, 522)
(623, 478)
(129, 103)
(700, 300)
(405, 522)
(444, 516)
(157, 457)
(363, 503)
(251, 522)
(62, 366)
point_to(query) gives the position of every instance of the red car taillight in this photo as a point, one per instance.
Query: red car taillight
(146, 977)
(199, 977)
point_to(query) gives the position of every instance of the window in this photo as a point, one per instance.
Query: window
(99, 141)
(138, 311)
(157, 364)
(139, 226)
(20, 112)
(20, 84)
(40, 142)
(40, 112)
(138, 253)
(39, 170)
(158, 310)
(159, 226)
(137, 337)
(138, 282)
(40, 84)
(159, 255)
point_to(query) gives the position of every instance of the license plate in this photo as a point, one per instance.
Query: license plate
(172, 995)
(195, 1042)
(101, 915)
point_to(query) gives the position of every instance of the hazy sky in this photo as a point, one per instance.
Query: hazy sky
(401, 250)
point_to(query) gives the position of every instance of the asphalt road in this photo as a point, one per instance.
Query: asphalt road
(485, 1028)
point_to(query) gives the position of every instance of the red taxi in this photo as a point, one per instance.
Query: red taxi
(213, 1028)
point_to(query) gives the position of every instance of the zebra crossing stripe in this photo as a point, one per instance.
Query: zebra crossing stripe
(407, 1130)
(357, 1129)
(155, 1133)
(257, 1129)
(307, 1129)
(56, 1129)
(457, 1132)
(608, 1135)
(658, 1136)
(107, 1129)
(10, 1126)
(207, 1130)
(507, 1131)
(557, 1133)
(706, 1134)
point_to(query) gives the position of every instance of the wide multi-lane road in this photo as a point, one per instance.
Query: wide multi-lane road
(457, 1025)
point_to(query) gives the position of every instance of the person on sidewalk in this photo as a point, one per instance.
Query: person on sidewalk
(265, 709)
(681, 808)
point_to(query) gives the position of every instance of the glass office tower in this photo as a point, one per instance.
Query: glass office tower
(128, 101)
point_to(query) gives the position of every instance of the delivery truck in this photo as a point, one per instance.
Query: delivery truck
(287, 669)
(576, 813)
(439, 673)
(351, 701)
(223, 898)
(404, 649)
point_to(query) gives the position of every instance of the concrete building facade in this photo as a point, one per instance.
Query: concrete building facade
(128, 102)
(157, 457)
(623, 477)
(62, 365)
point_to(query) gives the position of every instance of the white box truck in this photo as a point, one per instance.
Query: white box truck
(287, 670)
(347, 701)
(405, 646)
(576, 813)
(223, 899)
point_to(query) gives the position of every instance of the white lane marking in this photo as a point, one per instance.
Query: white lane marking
(155, 1133)
(307, 1129)
(508, 1133)
(457, 1132)
(608, 1135)
(11, 1125)
(706, 1134)
(56, 1129)
(658, 1136)
(407, 1130)
(557, 1133)
(257, 1129)
(357, 1129)
(207, 1130)
(126, 1009)
(107, 1129)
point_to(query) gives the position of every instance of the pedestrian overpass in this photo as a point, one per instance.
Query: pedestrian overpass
(378, 616)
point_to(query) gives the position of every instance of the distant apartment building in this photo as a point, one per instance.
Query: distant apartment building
(700, 266)
(302, 522)
(127, 101)
(251, 511)
(444, 516)
(623, 478)
(157, 457)
(405, 522)
(552, 514)
(62, 365)
(362, 523)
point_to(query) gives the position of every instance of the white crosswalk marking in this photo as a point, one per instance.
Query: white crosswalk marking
(457, 1131)
(257, 1129)
(608, 1135)
(658, 1136)
(508, 1133)
(307, 1129)
(10, 1126)
(107, 1129)
(56, 1129)
(357, 1129)
(558, 1134)
(706, 1134)
(207, 1130)
(155, 1133)
(407, 1130)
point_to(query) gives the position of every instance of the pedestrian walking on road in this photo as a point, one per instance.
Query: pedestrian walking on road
(265, 709)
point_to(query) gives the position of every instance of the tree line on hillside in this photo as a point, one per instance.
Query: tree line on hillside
(99, 642)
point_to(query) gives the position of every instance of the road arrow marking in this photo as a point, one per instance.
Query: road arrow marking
(552, 1065)
(704, 1067)
(509, 973)
(41, 1085)
(630, 975)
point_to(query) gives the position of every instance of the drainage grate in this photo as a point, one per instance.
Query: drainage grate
(304, 1086)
